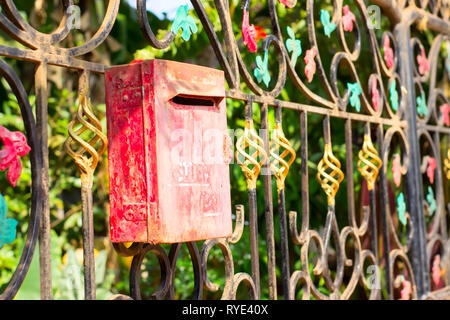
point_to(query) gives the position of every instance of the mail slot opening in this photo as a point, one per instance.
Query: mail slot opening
(193, 101)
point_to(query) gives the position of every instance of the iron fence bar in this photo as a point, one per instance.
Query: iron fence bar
(285, 269)
(414, 186)
(381, 219)
(335, 113)
(331, 228)
(281, 205)
(36, 185)
(373, 209)
(87, 213)
(438, 129)
(439, 183)
(86, 156)
(41, 90)
(268, 206)
(304, 174)
(39, 55)
(349, 172)
(382, 182)
(253, 222)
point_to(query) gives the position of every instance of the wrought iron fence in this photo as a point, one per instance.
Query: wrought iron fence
(394, 108)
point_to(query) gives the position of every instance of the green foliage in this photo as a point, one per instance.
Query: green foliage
(67, 276)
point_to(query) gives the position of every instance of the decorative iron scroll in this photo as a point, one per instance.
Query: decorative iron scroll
(403, 161)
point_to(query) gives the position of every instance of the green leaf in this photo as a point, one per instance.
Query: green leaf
(421, 105)
(294, 46)
(355, 91)
(261, 72)
(393, 96)
(326, 22)
(290, 32)
(401, 208)
(185, 22)
(431, 201)
(7, 225)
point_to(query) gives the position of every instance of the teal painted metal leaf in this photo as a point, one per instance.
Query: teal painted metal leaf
(355, 91)
(393, 96)
(184, 22)
(421, 105)
(262, 70)
(7, 225)
(447, 60)
(325, 18)
(401, 208)
(431, 201)
(293, 45)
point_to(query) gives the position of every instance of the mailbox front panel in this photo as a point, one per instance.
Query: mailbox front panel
(193, 177)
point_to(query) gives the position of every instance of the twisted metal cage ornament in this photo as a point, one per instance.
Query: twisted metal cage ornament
(369, 162)
(447, 165)
(279, 141)
(88, 121)
(329, 181)
(251, 167)
(86, 165)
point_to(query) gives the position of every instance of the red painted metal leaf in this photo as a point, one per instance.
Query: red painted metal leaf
(430, 169)
(310, 68)
(288, 3)
(388, 53)
(348, 18)
(20, 143)
(375, 95)
(396, 170)
(406, 291)
(445, 110)
(248, 33)
(436, 270)
(422, 60)
(14, 171)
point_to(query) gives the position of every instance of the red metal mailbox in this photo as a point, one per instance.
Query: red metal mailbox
(168, 166)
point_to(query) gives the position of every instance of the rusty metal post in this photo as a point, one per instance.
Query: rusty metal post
(86, 159)
(414, 186)
(41, 91)
(268, 207)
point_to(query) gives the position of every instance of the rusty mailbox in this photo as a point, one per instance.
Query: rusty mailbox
(168, 155)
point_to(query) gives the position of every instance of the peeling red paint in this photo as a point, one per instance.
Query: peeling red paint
(167, 181)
